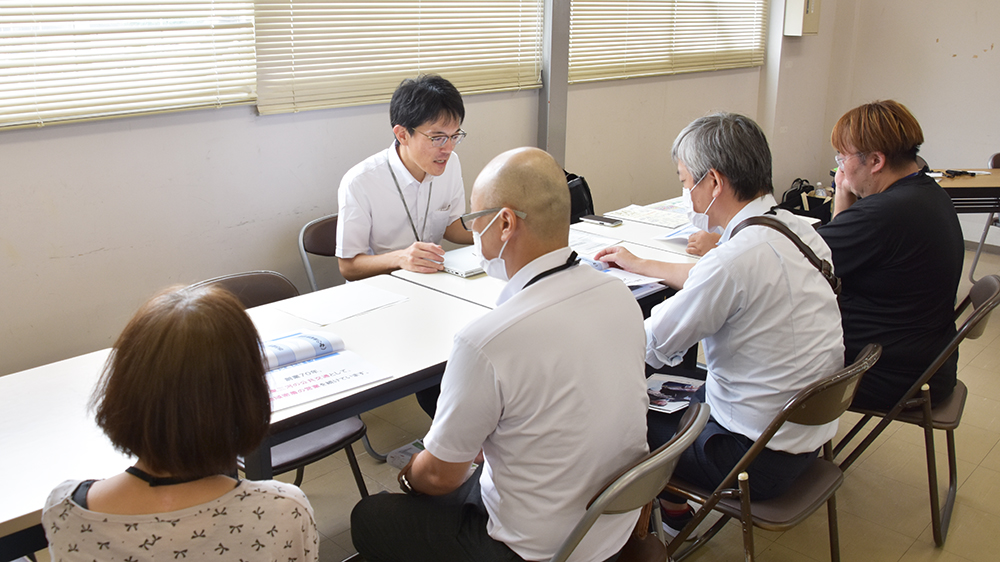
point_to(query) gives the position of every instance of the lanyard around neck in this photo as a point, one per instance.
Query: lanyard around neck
(430, 190)
(570, 262)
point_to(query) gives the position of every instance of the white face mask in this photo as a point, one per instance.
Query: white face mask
(495, 268)
(699, 220)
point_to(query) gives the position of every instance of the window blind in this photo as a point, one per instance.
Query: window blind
(318, 54)
(65, 61)
(615, 39)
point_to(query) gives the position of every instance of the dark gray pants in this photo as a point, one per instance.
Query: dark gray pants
(391, 527)
(717, 450)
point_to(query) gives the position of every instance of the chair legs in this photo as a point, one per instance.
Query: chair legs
(747, 519)
(353, 461)
(355, 468)
(940, 515)
(372, 452)
(991, 221)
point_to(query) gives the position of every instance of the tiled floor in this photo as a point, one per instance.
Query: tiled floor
(883, 506)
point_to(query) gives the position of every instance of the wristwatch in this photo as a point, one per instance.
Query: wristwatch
(404, 484)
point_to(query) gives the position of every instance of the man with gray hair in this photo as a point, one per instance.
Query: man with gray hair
(768, 319)
(519, 396)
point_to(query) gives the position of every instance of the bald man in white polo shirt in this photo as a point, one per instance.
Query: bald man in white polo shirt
(552, 400)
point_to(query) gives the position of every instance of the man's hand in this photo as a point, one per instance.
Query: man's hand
(843, 197)
(421, 257)
(620, 258)
(701, 242)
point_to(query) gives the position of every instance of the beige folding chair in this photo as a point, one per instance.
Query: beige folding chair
(820, 403)
(915, 406)
(255, 288)
(992, 220)
(317, 237)
(637, 486)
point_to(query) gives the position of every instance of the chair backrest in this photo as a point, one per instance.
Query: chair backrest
(254, 288)
(640, 483)
(819, 403)
(922, 164)
(994, 161)
(317, 237)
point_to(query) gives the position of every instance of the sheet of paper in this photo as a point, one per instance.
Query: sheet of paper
(318, 378)
(631, 279)
(587, 245)
(327, 307)
(680, 232)
(649, 215)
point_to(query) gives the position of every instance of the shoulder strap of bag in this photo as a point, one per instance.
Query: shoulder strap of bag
(824, 267)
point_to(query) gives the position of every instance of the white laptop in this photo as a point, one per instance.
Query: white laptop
(463, 262)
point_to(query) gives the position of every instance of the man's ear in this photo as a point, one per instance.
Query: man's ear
(401, 134)
(877, 160)
(717, 181)
(508, 223)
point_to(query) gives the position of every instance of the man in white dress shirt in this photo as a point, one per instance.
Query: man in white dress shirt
(395, 206)
(768, 319)
(551, 399)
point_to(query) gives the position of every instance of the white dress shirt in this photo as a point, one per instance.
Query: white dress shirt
(769, 323)
(556, 398)
(372, 219)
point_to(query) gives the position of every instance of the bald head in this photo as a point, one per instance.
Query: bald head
(529, 180)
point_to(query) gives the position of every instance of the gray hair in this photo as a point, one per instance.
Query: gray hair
(732, 145)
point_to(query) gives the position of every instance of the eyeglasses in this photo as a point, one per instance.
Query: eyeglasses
(438, 141)
(841, 159)
(468, 218)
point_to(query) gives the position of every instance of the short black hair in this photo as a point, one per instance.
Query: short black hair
(423, 99)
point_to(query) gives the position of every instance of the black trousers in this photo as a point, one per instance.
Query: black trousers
(391, 527)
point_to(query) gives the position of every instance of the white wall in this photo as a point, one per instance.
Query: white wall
(940, 59)
(95, 217)
(619, 133)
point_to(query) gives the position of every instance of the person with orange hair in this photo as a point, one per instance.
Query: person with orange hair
(898, 250)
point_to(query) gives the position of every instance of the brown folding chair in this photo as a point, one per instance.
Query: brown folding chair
(636, 487)
(318, 237)
(915, 406)
(256, 288)
(820, 403)
(991, 220)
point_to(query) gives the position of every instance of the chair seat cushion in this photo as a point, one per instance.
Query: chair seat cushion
(946, 415)
(316, 445)
(808, 493)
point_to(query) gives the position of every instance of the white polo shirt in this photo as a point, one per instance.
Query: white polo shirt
(768, 320)
(551, 386)
(372, 219)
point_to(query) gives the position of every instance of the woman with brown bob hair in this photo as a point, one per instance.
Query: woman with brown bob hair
(898, 249)
(184, 390)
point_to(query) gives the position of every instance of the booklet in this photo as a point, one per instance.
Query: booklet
(670, 393)
(307, 366)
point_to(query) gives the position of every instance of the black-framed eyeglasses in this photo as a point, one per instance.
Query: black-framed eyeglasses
(467, 218)
(438, 141)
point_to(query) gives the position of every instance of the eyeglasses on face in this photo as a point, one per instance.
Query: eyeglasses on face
(468, 218)
(841, 159)
(438, 141)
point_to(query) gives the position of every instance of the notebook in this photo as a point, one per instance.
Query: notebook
(463, 262)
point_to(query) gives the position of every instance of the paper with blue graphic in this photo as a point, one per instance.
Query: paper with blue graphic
(307, 366)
